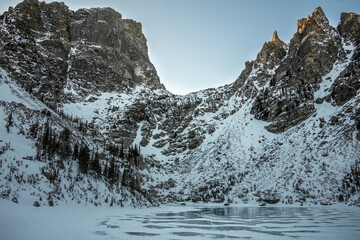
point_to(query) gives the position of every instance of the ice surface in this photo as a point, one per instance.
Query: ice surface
(178, 222)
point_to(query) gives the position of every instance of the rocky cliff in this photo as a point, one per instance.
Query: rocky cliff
(51, 51)
(286, 130)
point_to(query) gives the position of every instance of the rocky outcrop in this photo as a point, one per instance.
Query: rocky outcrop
(349, 26)
(312, 52)
(33, 47)
(347, 84)
(272, 52)
(56, 51)
(113, 48)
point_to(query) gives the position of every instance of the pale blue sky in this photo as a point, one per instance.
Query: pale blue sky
(198, 44)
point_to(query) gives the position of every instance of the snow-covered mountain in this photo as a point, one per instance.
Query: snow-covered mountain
(86, 119)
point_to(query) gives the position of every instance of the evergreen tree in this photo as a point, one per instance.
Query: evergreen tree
(136, 151)
(124, 177)
(95, 164)
(133, 152)
(9, 122)
(45, 139)
(63, 144)
(76, 152)
(113, 149)
(84, 158)
(106, 170)
(121, 154)
(112, 172)
(33, 130)
(65, 135)
(52, 144)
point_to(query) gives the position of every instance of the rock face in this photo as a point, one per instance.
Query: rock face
(312, 52)
(115, 49)
(272, 52)
(349, 26)
(57, 51)
(286, 130)
(347, 84)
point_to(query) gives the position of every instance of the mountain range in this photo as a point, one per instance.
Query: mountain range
(85, 118)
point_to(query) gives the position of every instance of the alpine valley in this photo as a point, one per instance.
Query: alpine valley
(85, 119)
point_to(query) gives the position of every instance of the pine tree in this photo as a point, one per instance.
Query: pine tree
(45, 139)
(84, 158)
(272, 82)
(63, 145)
(95, 164)
(33, 130)
(121, 154)
(112, 172)
(76, 152)
(9, 122)
(52, 145)
(136, 153)
(65, 135)
(124, 177)
(106, 170)
(132, 183)
(133, 152)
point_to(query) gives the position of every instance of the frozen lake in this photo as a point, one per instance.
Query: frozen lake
(247, 223)
(178, 222)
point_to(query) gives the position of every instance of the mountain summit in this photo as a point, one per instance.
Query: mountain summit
(86, 119)
(276, 39)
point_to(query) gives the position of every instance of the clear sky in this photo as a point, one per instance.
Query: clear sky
(198, 44)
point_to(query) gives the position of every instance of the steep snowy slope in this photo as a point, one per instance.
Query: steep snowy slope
(243, 160)
(31, 174)
(309, 161)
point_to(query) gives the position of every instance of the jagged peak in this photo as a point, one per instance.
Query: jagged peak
(318, 12)
(318, 16)
(275, 36)
(276, 39)
(272, 51)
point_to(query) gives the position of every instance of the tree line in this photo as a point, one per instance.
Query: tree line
(50, 143)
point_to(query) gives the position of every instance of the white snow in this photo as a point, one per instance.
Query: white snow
(91, 109)
(20, 146)
(139, 72)
(10, 92)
